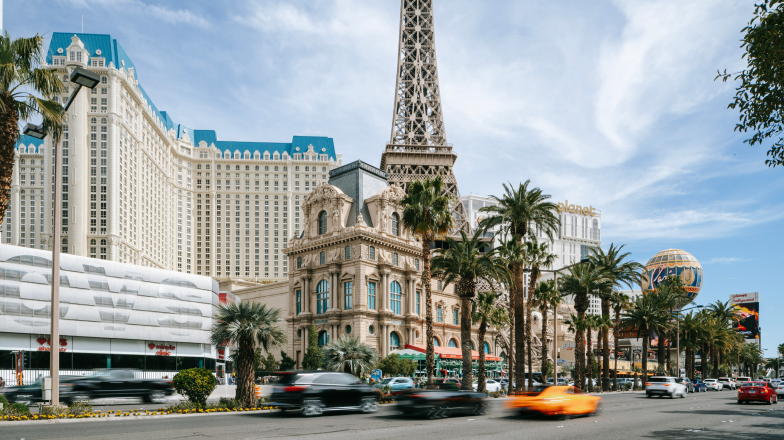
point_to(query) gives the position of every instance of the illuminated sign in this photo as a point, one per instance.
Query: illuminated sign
(576, 209)
(748, 310)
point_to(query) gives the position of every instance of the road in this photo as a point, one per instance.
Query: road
(706, 416)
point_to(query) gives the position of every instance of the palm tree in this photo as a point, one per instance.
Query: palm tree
(512, 254)
(536, 256)
(620, 302)
(517, 210)
(578, 325)
(620, 272)
(602, 324)
(350, 355)
(644, 315)
(245, 325)
(581, 281)
(463, 262)
(590, 325)
(690, 336)
(427, 214)
(21, 80)
(545, 297)
(669, 295)
(487, 312)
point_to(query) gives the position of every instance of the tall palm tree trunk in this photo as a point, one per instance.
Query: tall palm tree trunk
(465, 335)
(703, 359)
(579, 355)
(660, 350)
(545, 363)
(645, 339)
(715, 357)
(519, 316)
(615, 340)
(511, 355)
(606, 346)
(528, 318)
(430, 352)
(9, 132)
(480, 373)
(246, 392)
(590, 361)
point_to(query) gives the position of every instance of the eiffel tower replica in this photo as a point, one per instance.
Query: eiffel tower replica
(418, 147)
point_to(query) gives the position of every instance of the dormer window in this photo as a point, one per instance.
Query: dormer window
(322, 223)
(97, 62)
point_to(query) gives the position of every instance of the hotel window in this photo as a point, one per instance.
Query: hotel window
(395, 297)
(299, 302)
(439, 285)
(322, 223)
(372, 296)
(394, 259)
(416, 263)
(395, 224)
(439, 317)
(348, 302)
(455, 320)
(348, 252)
(299, 262)
(372, 253)
(322, 257)
(418, 294)
(322, 296)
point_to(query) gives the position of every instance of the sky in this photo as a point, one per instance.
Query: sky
(611, 104)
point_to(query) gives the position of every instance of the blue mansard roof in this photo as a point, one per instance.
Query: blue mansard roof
(114, 53)
(299, 144)
(27, 140)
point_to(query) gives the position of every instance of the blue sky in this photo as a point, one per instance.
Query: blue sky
(607, 103)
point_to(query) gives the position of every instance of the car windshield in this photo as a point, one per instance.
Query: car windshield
(659, 379)
(385, 381)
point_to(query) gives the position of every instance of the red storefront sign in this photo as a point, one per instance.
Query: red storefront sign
(46, 344)
(163, 350)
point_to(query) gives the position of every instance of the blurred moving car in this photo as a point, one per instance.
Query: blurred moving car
(686, 382)
(727, 383)
(437, 404)
(31, 394)
(664, 386)
(561, 381)
(552, 400)
(491, 385)
(757, 391)
(313, 392)
(397, 384)
(740, 380)
(109, 383)
(780, 388)
(699, 386)
(713, 384)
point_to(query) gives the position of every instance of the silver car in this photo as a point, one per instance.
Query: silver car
(713, 384)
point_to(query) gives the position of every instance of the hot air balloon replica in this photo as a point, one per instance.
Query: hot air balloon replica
(673, 262)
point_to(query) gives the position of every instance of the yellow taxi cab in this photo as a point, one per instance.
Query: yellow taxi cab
(552, 400)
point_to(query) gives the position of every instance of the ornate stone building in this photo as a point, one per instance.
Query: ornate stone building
(356, 270)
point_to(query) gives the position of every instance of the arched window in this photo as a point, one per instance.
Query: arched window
(322, 223)
(453, 342)
(103, 242)
(372, 253)
(299, 262)
(394, 297)
(487, 348)
(436, 342)
(394, 258)
(323, 338)
(348, 252)
(394, 341)
(92, 242)
(323, 257)
(322, 296)
(395, 224)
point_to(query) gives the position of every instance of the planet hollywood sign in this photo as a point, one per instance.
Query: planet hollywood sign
(576, 209)
(163, 350)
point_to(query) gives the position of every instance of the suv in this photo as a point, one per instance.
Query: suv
(664, 385)
(313, 392)
(727, 383)
(686, 382)
(713, 384)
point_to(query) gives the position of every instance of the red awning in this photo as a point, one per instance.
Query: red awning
(452, 353)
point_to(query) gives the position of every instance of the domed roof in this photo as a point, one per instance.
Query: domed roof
(672, 256)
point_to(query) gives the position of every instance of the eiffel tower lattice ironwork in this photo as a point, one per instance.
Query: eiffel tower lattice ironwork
(418, 147)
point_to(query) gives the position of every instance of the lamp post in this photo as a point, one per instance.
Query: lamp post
(678, 338)
(555, 319)
(82, 78)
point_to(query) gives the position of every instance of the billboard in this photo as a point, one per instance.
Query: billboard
(748, 309)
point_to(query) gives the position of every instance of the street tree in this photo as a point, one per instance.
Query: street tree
(536, 256)
(547, 297)
(348, 354)
(488, 313)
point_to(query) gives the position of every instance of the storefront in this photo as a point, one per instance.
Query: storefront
(449, 361)
(112, 315)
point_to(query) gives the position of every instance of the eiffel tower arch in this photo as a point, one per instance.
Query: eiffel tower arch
(417, 148)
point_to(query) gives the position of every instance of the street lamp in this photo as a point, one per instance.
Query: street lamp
(678, 338)
(82, 78)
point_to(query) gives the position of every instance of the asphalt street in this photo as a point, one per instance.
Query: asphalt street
(706, 416)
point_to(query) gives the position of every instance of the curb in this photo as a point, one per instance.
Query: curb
(116, 419)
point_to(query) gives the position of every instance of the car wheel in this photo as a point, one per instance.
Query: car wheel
(770, 400)
(79, 398)
(683, 395)
(480, 409)
(368, 405)
(776, 400)
(312, 407)
(155, 397)
(740, 402)
(437, 412)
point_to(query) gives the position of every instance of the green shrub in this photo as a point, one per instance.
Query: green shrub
(196, 384)
(4, 401)
(53, 410)
(19, 408)
(184, 405)
(229, 403)
(80, 407)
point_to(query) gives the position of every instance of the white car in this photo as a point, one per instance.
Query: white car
(664, 386)
(780, 388)
(491, 385)
(713, 384)
(728, 383)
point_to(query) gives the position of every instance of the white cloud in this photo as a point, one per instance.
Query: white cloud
(724, 260)
(173, 16)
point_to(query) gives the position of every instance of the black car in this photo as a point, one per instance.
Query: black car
(313, 392)
(686, 381)
(438, 404)
(30, 394)
(111, 383)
